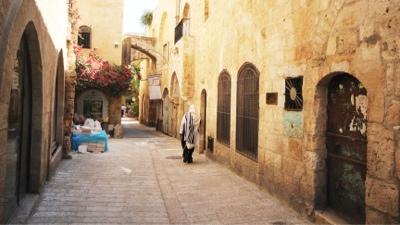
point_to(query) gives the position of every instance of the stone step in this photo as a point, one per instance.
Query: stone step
(328, 216)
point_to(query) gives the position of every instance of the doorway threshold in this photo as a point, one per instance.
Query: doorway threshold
(23, 211)
(328, 216)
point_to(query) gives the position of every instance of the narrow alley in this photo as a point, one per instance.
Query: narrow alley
(291, 110)
(143, 180)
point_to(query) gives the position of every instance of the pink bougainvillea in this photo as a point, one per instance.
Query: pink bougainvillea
(96, 73)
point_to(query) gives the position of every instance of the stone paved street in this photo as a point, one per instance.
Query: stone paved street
(143, 180)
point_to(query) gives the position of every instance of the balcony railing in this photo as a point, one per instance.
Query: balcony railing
(183, 28)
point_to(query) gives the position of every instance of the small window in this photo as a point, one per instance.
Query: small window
(84, 36)
(294, 94)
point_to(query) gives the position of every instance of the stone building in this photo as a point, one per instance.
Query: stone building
(33, 60)
(300, 97)
(100, 31)
(100, 27)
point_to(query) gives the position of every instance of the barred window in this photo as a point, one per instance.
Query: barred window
(224, 108)
(247, 111)
(84, 36)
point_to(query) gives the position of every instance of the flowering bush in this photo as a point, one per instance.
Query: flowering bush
(96, 73)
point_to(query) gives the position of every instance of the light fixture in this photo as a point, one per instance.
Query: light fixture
(116, 44)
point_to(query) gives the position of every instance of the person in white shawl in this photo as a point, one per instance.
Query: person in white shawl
(189, 131)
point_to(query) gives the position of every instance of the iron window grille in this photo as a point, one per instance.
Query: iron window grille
(247, 112)
(294, 94)
(224, 109)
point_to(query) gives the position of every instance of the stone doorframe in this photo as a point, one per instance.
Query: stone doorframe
(316, 154)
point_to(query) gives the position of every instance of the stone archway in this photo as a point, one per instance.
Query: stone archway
(341, 137)
(24, 122)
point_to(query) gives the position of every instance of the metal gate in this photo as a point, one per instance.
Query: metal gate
(347, 144)
(247, 112)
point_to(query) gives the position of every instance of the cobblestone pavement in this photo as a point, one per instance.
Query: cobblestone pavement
(144, 181)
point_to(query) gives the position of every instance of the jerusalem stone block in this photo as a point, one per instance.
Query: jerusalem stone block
(380, 154)
(382, 196)
(392, 113)
(376, 109)
(397, 151)
(3, 115)
(314, 161)
(369, 52)
(352, 15)
(376, 217)
(390, 79)
(315, 143)
(295, 149)
(391, 26)
(391, 49)
(347, 42)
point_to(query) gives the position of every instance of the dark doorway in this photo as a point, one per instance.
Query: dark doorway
(346, 142)
(19, 130)
(203, 116)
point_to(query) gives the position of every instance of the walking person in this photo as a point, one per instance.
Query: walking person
(189, 132)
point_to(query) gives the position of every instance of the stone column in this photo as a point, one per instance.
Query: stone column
(70, 83)
(114, 110)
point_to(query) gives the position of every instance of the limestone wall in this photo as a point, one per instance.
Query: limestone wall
(285, 39)
(104, 17)
(37, 21)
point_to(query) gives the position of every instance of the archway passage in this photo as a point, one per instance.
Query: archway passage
(346, 143)
(203, 116)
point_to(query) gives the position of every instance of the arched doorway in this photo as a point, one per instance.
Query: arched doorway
(203, 116)
(57, 135)
(23, 154)
(165, 112)
(346, 144)
(175, 99)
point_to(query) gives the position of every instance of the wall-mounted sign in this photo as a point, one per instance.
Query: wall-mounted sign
(154, 83)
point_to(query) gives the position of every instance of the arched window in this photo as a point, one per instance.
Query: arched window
(84, 36)
(224, 108)
(247, 111)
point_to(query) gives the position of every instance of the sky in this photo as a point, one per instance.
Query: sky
(133, 10)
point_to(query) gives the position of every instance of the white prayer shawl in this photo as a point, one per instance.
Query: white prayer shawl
(190, 128)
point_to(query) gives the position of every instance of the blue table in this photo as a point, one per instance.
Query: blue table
(95, 137)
